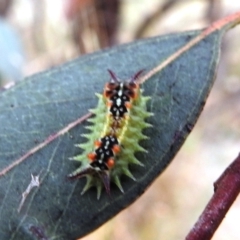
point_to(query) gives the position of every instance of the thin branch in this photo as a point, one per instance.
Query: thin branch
(149, 21)
(227, 188)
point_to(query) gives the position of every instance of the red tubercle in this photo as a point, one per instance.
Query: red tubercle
(91, 156)
(109, 87)
(110, 163)
(116, 149)
(133, 91)
(109, 104)
(97, 143)
(128, 105)
(135, 96)
(106, 93)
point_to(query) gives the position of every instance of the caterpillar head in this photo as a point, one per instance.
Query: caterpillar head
(99, 171)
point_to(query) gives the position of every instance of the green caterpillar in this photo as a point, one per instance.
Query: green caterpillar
(114, 135)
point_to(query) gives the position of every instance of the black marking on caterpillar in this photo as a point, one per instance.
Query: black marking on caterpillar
(115, 134)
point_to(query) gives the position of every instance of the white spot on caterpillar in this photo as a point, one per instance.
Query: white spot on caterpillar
(120, 93)
(118, 102)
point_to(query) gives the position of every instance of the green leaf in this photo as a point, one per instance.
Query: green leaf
(45, 103)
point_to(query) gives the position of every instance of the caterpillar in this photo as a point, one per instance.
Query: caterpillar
(114, 135)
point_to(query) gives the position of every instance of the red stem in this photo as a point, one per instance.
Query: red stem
(226, 188)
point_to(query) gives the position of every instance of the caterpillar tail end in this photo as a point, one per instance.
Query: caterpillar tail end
(105, 177)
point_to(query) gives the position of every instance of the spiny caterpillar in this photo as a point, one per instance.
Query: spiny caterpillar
(115, 134)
